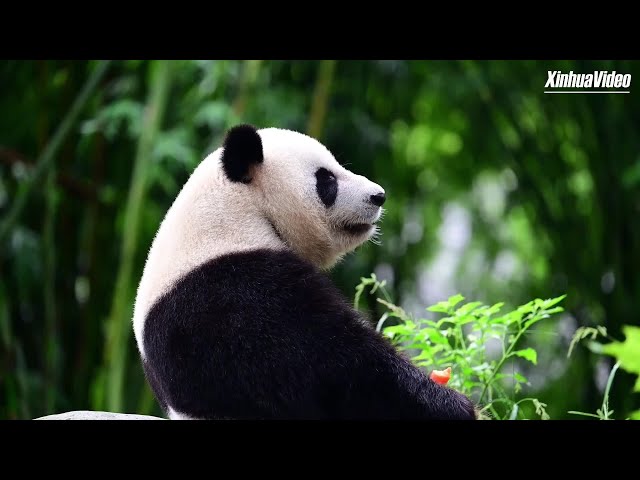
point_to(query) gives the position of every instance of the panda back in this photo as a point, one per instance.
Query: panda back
(264, 334)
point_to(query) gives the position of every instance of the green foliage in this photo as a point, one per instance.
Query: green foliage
(584, 333)
(460, 340)
(627, 354)
(604, 412)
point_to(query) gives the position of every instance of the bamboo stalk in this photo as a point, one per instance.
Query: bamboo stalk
(89, 331)
(51, 328)
(321, 93)
(48, 155)
(109, 392)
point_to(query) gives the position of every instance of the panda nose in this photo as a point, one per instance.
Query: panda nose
(378, 199)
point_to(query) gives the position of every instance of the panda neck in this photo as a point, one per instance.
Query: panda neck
(208, 219)
(201, 227)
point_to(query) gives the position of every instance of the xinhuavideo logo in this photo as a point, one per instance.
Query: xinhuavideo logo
(601, 81)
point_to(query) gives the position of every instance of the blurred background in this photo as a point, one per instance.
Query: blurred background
(495, 191)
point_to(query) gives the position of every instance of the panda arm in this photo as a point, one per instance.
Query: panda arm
(369, 378)
(361, 374)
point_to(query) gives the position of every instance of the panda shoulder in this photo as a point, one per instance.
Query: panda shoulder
(263, 280)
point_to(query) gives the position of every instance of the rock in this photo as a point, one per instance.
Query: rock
(90, 415)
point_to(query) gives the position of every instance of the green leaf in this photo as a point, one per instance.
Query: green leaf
(396, 311)
(454, 300)
(504, 319)
(425, 363)
(627, 352)
(463, 320)
(395, 329)
(419, 346)
(552, 301)
(526, 308)
(467, 371)
(585, 414)
(444, 321)
(595, 347)
(440, 307)
(494, 308)
(554, 310)
(436, 337)
(580, 334)
(424, 354)
(512, 317)
(635, 415)
(520, 378)
(482, 367)
(469, 385)
(528, 354)
(532, 321)
(428, 323)
(540, 409)
(467, 308)
(377, 285)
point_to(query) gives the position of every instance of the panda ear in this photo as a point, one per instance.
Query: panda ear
(242, 148)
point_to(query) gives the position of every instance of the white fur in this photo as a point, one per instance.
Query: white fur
(173, 415)
(212, 216)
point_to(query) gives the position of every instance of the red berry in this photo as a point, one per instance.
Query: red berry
(441, 376)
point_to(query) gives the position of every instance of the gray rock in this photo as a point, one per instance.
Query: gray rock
(90, 415)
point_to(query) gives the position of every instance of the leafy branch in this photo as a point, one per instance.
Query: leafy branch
(459, 340)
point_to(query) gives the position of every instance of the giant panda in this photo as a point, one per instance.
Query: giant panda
(235, 315)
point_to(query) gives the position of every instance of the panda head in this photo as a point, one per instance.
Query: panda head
(317, 207)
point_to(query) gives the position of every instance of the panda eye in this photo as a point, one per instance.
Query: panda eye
(325, 175)
(326, 186)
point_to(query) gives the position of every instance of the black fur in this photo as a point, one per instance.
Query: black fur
(265, 335)
(242, 148)
(326, 186)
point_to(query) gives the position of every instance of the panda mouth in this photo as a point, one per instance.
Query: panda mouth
(357, 228)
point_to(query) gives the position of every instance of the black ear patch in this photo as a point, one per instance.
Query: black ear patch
(242, 148)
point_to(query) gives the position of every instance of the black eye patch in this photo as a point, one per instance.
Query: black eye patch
(326, 186)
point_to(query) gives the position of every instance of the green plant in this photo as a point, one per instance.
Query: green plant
(603, 413)
(460, 340)
(626, 353)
